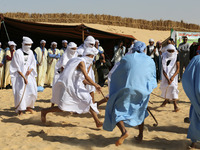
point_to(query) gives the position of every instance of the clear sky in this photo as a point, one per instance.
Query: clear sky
(176, 10)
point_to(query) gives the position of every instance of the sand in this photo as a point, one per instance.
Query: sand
(66, 131)
(140, 34)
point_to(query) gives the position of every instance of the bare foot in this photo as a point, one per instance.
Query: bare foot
(20, 113)
(164, 103)
(121, 139)
(43, 116)
(30, 110)
(99, 124)
(138, 138)
(176, 109)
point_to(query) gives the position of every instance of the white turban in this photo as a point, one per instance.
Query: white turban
(0, 43)
(64, 41)
(53, 43)
(42, 41)
(90, 51)
(11, 43)
(97, 41)
(27, 40)
(89, 40)
(151, 40)
(170, 46)
(71, 45)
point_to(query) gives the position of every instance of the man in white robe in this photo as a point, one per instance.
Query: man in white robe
(2, 62)
(89, 43)
(169, 82)
(70, 52)
(23, 73)
(70, 93)
(53, 56)
(64, 47)
(41, 57)
(9, 56)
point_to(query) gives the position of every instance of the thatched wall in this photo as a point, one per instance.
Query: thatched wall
(105, 20)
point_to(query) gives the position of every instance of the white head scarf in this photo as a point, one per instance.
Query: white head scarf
(12, 43)
(26, 40)
(53, 43)
(89, 40)
(89, 51)
(42, 41)
(0, 43)
(70, 51)
(64, 41)
(151, 40)
(97, 41)
(166, 56)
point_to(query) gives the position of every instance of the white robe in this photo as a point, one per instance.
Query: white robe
(42, 69)
(18, 64)
(69, 92)
(169, 91)
(2, 54)
(62, 63)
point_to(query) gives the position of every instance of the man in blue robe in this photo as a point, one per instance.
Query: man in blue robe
(131, 84)
(191, 86)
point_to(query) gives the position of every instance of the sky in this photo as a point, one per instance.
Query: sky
(175, 10)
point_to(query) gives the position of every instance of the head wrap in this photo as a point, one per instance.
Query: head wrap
(53, 43)
(139, 47)
(89, 40)
(170, 46)
(97, 41)
(11, 43)
(42, 41)
(0, 43)
(90, 51)
(71, 45)
(64, 41)
(27, 40)
(151, 40)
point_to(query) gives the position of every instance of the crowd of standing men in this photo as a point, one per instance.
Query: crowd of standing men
(71, 73)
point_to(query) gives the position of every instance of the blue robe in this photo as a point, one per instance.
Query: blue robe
(191, 86)
(131, 84)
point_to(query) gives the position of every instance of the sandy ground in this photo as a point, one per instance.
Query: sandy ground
(140, 34)
(66, 131)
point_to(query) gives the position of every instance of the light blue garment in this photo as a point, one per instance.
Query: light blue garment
(139, 47)
(191, 86)
(131, 84)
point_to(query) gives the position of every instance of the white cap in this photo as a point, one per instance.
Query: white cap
(71, 45)
(151, 40)
(97, 41)
(27, 40)
(64, 41)
(53, 43)
(11, 43)
(42, 41)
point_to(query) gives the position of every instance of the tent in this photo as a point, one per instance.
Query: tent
(15, 29)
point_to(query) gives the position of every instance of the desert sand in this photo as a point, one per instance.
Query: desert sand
(140, 34)
(67, 131)
(70, 132)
